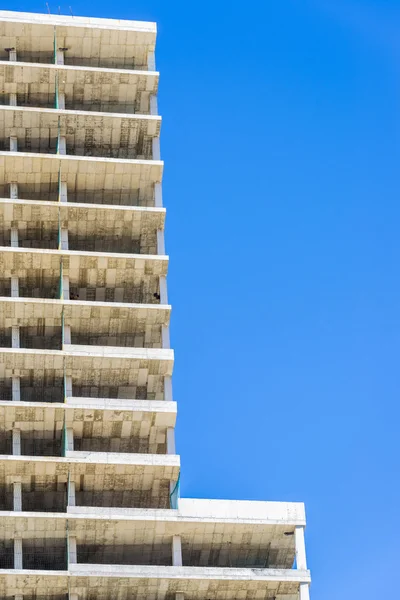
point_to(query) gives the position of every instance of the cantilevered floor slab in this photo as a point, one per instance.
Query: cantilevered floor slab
(85, 88)
(105, 42)
(157, 583)
(87, 133)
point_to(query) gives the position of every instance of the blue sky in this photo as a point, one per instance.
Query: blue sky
(281, 143)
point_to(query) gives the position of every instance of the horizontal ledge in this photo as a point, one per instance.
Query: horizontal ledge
(79, 68)
(134, 162)
(65, 112)
(111, 459)
(84, 254)
(66, 206)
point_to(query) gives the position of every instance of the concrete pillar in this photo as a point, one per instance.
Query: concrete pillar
(14, 287)
(17, 496)
(301, 560)
(160, 242)
(12, 54)
(16, 442)
(63, 191)
(69, 439)
(67, 334)
(62, 145)
(68, 386)
(15, 336)
(63, 239)
(14, 237)
(179, 596)
(72, 553)
(61, 100)
(18, 553)
(163, 290)
(16, 389)
(153, 105)
(171, 440)
(168, 388)
(151, 61)
(176, 551)
(165, 343)
(14, 191)
(20, 597)
(13, 99)
(65, 288)
(304, 591)
(158, 195)
(13, 144)
(60, 56)
(71, 493)
(155, 144)
(72, 596)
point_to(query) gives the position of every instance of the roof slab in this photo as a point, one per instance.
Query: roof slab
(103, 41)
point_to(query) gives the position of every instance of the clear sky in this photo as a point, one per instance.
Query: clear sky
(281, 144)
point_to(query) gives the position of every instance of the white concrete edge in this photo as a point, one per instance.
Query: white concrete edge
(157, 210)
(99, 458)
(71, 253)
(84, 303)
(104, 404)
(89, 159)
(66, 112)
(134, 72)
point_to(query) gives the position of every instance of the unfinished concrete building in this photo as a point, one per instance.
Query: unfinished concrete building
(89, 475)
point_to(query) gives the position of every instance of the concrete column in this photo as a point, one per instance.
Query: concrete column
(304, 591)
(65, 288)
(160, 242)
(72, 596)
(17, 496)
(168, 388)
(67, 334)
(13, 99)
(14, 237)
(62, 145)
(12, 54)
(61, 100)
(69, 439)
(16, 389)
(179, 596)
(13, 144)
(18, 553)
(301, 560)
(20, 597)
(14, 287)
(151, 61)
(59, 56)
(63, 239)
(153, 105)
(14, 191)
(16, 442)
(71, 493)
(72, 553)
(176, 551)
(68, 386)
(158, 195)
(15, 336)
(165, 343)
(155, 144)
(171, 440)
(163, 290)
(63, 191)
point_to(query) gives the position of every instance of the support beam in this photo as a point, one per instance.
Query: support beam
(67, 386)
(66, 334)
(72, 554)
(160, 242)
(60, 56)
(179, 596)
(14, 287)
(15, 337)
(176, 551)
(14, 237)
(13, 191)
(163, 290)
(13, 144)
(13, 99)
(62, 145)
(18, 562)
(12, 55)
(171, 441)
(151, 61)
(16, 442)
(158, 195)
(73, 596)
(168, 388)
(65, 295)
(17, 496)
(156, 152)
(153, 105)
(69, 439)
(61, 100)
(301, 560)
(16, 389)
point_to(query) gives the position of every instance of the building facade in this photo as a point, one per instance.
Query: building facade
(89, 475)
